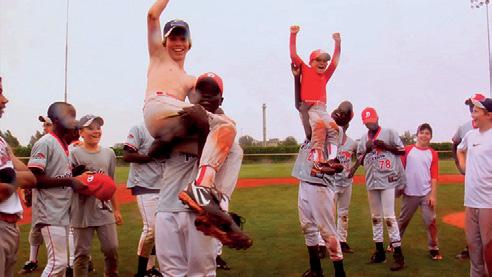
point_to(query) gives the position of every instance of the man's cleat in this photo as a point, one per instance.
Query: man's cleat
(463, 255)
(346, 248)
(310, 273)
(435, 255)
(211, 219)
(398, 263)
(29, 267)
(378, 258)
(221, 264)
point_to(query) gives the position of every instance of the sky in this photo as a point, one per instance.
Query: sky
(414, 61)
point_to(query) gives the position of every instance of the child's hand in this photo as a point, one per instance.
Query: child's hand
(336, 36)
(294, 29)
(296, 70)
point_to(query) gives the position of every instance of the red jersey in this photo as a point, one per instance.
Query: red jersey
(313, 84)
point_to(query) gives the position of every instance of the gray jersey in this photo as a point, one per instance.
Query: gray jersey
(51, 206)
(146, 175)
(462, 130)
(88, 211)
(384, 170)
(302, 166)
(345, 152)
(180, 170)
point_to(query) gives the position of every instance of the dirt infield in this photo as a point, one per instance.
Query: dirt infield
(124, 195)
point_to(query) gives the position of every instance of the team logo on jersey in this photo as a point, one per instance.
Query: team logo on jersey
(130, 136)
(39, 156)
(200, 195)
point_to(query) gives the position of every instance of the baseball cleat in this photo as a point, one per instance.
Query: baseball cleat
(211, 219)
(398, 263)
(221, 264)
(310, 273)
(435, 255)
(29, 267)
(378, 258)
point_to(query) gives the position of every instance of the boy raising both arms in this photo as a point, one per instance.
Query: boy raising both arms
(313, 98)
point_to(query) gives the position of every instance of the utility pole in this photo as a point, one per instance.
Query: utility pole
(264, 124)
(477, 4)
(66, 53)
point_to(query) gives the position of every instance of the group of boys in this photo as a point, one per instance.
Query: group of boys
(325, 171)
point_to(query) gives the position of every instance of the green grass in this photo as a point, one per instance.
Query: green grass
(279, 250)
(278, 170)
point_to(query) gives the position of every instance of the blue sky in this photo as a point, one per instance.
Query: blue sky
(413, 60)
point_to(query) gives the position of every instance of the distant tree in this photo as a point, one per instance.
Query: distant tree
(34, 138)
(11, 140)
(289, 141)
(408, 138)
(246, 141)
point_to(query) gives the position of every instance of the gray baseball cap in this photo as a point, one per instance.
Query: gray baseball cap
(87, 120)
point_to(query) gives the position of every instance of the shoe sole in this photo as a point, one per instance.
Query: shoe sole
(205, 224)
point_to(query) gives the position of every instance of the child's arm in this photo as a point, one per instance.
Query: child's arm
(336, 57)
(292, 46)
(154, 36)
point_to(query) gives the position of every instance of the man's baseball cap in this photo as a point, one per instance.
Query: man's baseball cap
(98, 185)
(210, 76)
(87, 120)
(176, 23)
(316, 53)
(369, 115)
(476, 96)
(45, 119)
(485, 104)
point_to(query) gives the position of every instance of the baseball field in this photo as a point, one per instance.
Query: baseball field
(269, 204)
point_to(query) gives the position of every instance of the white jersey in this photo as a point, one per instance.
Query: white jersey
(478, 177)
(51, 206)
(344, 155)
(11, 205)
(384, 170)
(421, 166)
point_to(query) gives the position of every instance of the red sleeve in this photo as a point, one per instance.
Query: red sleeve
(293, 51)
(434, 165)
(334, 61)
(403, 158)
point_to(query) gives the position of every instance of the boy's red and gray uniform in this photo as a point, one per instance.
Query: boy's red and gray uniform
(421, 167)
(316, 214)
(181, 249)
(343, 186)
(89, 215)
(10, 213)
(51, 206)
(145, 181)
(384, 172)
(478, 200)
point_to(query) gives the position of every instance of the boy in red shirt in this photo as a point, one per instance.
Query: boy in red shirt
(313, 100)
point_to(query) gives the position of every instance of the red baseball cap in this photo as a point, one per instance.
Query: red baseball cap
(98, 185)
(369, 115)
(210, 76)
(475, 97)
(316, 53)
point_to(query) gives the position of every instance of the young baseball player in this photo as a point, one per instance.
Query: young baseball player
(313, 98)
(316, 214)
(167, 87)
(89, 214)
(475, 159)
(343, 182)
(379, 151)
(52, 196)
(457, 138)
(13, 174)
(144, 181)
(421, 169)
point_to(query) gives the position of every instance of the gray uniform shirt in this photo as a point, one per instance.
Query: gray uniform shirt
(51, 206)
(146, 175)
(462, 130)
(180, 170)
(88, 211)
(345, 152)
(384, 170)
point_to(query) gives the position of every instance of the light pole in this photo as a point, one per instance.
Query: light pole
(264, 106)
(477, 4)
(66, 53)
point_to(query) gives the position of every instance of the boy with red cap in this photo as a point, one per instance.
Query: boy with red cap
(313, 97)
(379, 151)
(168, 85)
(475, 159)
(89, 214)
